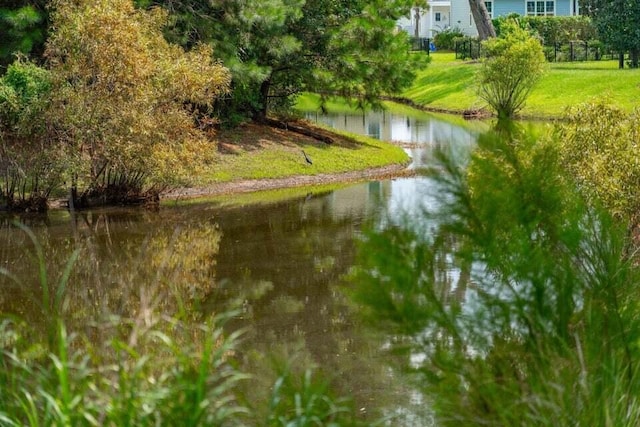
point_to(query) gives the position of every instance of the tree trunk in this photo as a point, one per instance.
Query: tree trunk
(260, 115)
(482, 19)
(621, 60)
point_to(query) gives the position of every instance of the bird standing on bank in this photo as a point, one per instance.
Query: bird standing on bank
(306, 158)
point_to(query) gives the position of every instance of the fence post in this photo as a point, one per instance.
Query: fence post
(571, 51)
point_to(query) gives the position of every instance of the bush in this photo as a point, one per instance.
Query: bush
(514, 64)
(30, 167)
(124, 102)
(23, 91)
(445, 40)
(600, 148)
(552, 29)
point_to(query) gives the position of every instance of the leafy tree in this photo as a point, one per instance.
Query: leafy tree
(514, 64)
(277, 48)
(29, 167)
(120, 97)
(24, 25)
(616, 21)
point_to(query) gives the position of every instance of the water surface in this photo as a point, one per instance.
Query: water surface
(282, 263)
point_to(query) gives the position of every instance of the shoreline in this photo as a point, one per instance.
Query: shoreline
(256, 185)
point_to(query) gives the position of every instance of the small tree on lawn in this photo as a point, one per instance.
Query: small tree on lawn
(514, 64)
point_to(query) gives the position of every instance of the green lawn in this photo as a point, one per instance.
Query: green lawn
(255, 152)
(449, 84)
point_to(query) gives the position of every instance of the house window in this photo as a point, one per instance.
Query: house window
(438, 17)
(541, 7)
(489, 6)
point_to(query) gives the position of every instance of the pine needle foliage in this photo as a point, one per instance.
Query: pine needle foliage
(513, 301)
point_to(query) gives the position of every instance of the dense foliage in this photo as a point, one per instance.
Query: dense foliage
(600, 148)
(513, 65)
(118, 107)
(512, 300)
(616, 21)
(24, 26)
(275, 49)
(446, 39)
(29, 167)
(553, 29)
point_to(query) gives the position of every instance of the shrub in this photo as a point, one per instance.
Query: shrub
(552, 29)
(600, 148)
(511, 300)
(123, 102)
(445, 39)
(514, 64)
(23, 91)
(30, 166)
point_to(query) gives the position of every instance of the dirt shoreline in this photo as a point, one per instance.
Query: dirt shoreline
(254, 185)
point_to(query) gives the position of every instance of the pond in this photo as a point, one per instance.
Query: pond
(281, 262)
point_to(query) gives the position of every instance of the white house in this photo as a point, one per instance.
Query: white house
(428, 22)
(443, 14)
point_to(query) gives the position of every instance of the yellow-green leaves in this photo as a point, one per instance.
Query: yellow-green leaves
(120, 91)
(600, 147)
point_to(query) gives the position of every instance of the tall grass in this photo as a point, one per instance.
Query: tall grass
(150, 366)
(518, 305)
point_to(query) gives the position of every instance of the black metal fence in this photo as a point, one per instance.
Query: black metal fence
(558, 52)
(468, 49)
(423, 44)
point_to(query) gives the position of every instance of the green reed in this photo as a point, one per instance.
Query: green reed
(153, 365)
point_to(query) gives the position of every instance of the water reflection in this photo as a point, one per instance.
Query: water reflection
(420, 133)
(281, 263)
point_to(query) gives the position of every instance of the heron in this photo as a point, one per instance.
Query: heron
(306, 158)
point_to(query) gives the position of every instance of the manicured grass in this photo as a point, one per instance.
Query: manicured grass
(449, 84)
(255, 152)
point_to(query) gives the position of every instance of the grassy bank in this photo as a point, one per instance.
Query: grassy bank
(449, 84)
(257, 152)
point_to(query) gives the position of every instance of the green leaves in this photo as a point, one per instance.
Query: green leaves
(124, 92)
(599, 145)
(23, 30)
(616, 21)
(279, 48)
(512, 300)
(515, 62)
